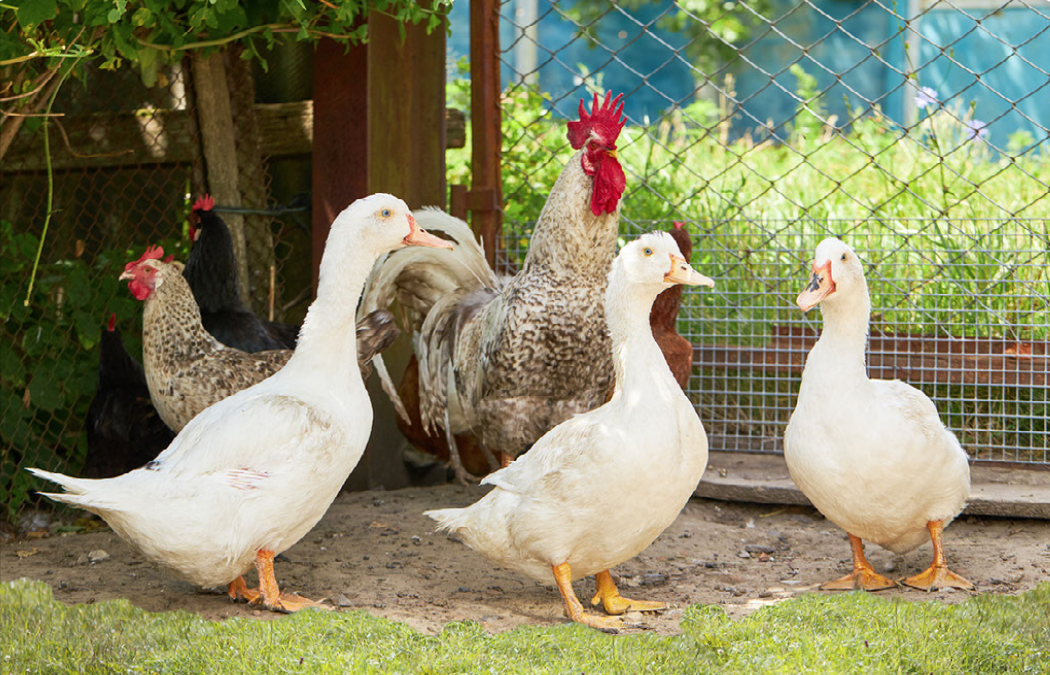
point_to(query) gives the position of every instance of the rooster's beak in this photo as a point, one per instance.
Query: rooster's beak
(821, 285)
(419, 237)
(126, 275)
(682, 273)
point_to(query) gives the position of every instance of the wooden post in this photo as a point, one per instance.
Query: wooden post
(486, 195)
(406, 111)
(215, 119)
(340, 141)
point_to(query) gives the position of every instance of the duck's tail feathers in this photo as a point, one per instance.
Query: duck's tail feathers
(78, 491)
(421, 278)
(448, 520)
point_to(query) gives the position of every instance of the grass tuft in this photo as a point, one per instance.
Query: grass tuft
(853, 632)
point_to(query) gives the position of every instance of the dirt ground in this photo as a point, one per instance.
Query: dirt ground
(375, 551)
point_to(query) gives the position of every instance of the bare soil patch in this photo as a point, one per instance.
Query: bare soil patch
(375, 551)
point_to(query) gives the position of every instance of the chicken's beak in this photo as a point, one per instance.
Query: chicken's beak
(682, 273)
(612, 153)
(419, 237)
(126, 275)
(821, 285)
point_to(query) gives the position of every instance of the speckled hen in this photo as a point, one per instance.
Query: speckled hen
(508, 359)
(187, 369)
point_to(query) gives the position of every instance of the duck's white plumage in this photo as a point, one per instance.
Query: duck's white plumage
(257, 470)
(872, 455)
(600, 487)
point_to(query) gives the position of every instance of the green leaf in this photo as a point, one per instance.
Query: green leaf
(45, 391)
(34, 12)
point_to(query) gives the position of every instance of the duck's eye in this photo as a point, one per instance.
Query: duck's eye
(385, 213)
(647, 251)
(843, 257)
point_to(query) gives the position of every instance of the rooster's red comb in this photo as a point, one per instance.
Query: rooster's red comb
(152, 253)
(678, 225)
(204, 203)
(605, 120)
(112, 322)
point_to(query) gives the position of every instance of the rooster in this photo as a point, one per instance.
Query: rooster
(123, 428)
(507, 359)
(187, 369)
(211, 271)
(678, 352)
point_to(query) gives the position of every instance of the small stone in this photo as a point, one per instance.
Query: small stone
(379, 605)
(889, 567)
(342, 601)
(416, 541)
(755, 548)
(765, 594)
(750, 524)
(98, 555)
(743, 554)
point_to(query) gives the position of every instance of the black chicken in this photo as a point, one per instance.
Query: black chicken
(212, 274)
(124, 431)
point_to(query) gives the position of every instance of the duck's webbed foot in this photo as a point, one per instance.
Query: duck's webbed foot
(863, 577)
(269, 595)
(937, 575)
(573, 608)
(610, 599)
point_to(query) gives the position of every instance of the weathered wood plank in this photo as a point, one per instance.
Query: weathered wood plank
(215, 119)
(406, 111)
(166, 137)
(913, 358)
(764, 478)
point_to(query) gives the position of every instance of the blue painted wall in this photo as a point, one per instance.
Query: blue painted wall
(646, 66)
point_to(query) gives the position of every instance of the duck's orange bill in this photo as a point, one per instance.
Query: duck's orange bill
(821, 285)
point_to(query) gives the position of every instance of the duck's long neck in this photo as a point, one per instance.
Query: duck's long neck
(637, 359)
(844, 340)
(328, 338)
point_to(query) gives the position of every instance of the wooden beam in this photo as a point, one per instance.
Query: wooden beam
(913, 358)
(152, 136)
(340, 138)
(486, 124)
(215, 120)
(406, 111)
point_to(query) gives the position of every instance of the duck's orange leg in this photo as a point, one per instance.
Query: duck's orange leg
(937, 575)
(239, 591)
(573, 608)
(270, 595)
(610, 599)
(863, 577)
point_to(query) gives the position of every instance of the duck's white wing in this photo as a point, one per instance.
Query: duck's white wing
(566, 454)
(251, 434)
(913, 412)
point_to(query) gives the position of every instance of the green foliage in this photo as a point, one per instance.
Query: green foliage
(152, 33)
(827, 634)
(48, 356)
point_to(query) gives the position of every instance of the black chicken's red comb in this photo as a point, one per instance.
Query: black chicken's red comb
(204, 203)
(605, 119)
(152, 253)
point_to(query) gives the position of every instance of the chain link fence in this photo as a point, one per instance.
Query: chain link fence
(126, 165)
(915, 131)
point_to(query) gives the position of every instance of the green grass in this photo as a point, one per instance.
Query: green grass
(812, 634)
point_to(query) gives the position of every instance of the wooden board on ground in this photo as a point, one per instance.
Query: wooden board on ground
(764, 478)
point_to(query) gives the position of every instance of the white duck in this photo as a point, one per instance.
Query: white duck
(598, 488)
(251, 475)
(872, 455)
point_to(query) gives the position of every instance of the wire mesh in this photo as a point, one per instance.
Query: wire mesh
(107, 207)
(916, 132)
